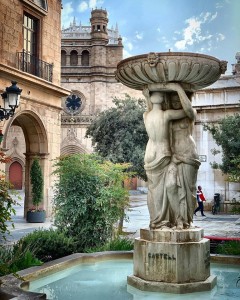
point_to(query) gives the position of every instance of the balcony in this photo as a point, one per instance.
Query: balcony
(32, 65)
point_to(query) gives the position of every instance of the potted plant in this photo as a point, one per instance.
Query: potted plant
(35, 214)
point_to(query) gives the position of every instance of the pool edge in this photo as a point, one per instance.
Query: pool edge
(12, 286)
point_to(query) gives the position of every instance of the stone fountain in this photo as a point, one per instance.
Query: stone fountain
(171, 255)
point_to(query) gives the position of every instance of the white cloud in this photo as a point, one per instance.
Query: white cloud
(127, 44)
(67, 8)
(193, 31)
(139, 36)
(190, 33)
(95, 3)
(207, 17)
(128, 47)
(82, 6)
(91, 4)
(213, 17)
(220, 37)
(126, 54)
(219, 5)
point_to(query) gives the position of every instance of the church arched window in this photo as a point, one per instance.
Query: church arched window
(74, 58)
(63, 58)
(85, 58)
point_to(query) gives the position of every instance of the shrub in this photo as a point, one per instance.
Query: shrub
(36, 182)
(89, 198)
(117, 244)
(14, 260)
(47, 244)
(229, 248)
(235, 210)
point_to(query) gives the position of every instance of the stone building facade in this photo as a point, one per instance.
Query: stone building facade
(213, 104)
(90, 55)
(30, 54)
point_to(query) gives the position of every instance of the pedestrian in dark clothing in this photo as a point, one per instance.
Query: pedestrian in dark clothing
(200, 200)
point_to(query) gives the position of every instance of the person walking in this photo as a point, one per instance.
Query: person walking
(200, 200)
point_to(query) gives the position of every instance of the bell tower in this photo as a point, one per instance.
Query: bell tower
(99, 22)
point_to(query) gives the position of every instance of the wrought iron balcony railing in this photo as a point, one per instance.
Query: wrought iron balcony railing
(32, 65)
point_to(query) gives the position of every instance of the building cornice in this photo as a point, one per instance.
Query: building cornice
(11, 73)
(215, 107)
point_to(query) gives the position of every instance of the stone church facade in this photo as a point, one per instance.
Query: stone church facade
(90, 55)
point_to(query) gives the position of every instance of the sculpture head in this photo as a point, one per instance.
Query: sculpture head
(152, 59)
(175, 101)
(223, 66)
(157, 97)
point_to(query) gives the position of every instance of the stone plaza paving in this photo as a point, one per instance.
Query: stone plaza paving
(220, 225)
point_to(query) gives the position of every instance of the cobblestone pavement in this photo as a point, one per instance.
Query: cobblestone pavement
(222, 225)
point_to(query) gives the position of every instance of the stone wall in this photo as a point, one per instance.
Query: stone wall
(35, 129)
(11, 41)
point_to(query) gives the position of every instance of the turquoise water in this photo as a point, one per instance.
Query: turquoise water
(107, 280)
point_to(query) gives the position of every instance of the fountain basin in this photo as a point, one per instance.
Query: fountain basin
(193, 70)
(91, 272)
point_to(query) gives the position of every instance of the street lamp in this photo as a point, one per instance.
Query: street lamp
(11, 99)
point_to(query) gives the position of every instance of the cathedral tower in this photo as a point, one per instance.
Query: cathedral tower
(99, 22)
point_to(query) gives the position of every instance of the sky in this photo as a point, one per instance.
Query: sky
(210, 27)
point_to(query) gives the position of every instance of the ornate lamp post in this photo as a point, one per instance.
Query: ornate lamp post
(11, 99)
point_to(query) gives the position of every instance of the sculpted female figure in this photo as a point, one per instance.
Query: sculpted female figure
(185, 160)
(162, 201)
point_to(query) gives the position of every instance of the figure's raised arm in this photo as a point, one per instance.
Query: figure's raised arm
(146, 94)
(185, 101)
(172, 86)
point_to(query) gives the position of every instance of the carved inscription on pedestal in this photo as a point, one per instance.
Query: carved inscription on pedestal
(162, 256)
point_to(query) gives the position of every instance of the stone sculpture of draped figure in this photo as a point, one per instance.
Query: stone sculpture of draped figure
(171, 160)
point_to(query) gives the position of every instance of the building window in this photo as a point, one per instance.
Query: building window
(30, 28)
(28, 60)
(85, 58)
(74, 58)
(30, 44)
(63, 58)
(39, 5)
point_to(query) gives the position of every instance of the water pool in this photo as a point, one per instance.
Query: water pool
(107, 280)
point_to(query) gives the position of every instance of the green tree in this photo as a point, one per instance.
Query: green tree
(89, 198)
(118, 133)
(227, 135)
(36, 177)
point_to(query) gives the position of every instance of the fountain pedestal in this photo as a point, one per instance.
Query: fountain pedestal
(172, 261)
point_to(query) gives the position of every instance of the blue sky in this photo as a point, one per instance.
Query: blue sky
(211, 27)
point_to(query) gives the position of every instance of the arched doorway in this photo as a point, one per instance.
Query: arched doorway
(36, 143)
(15, 175)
